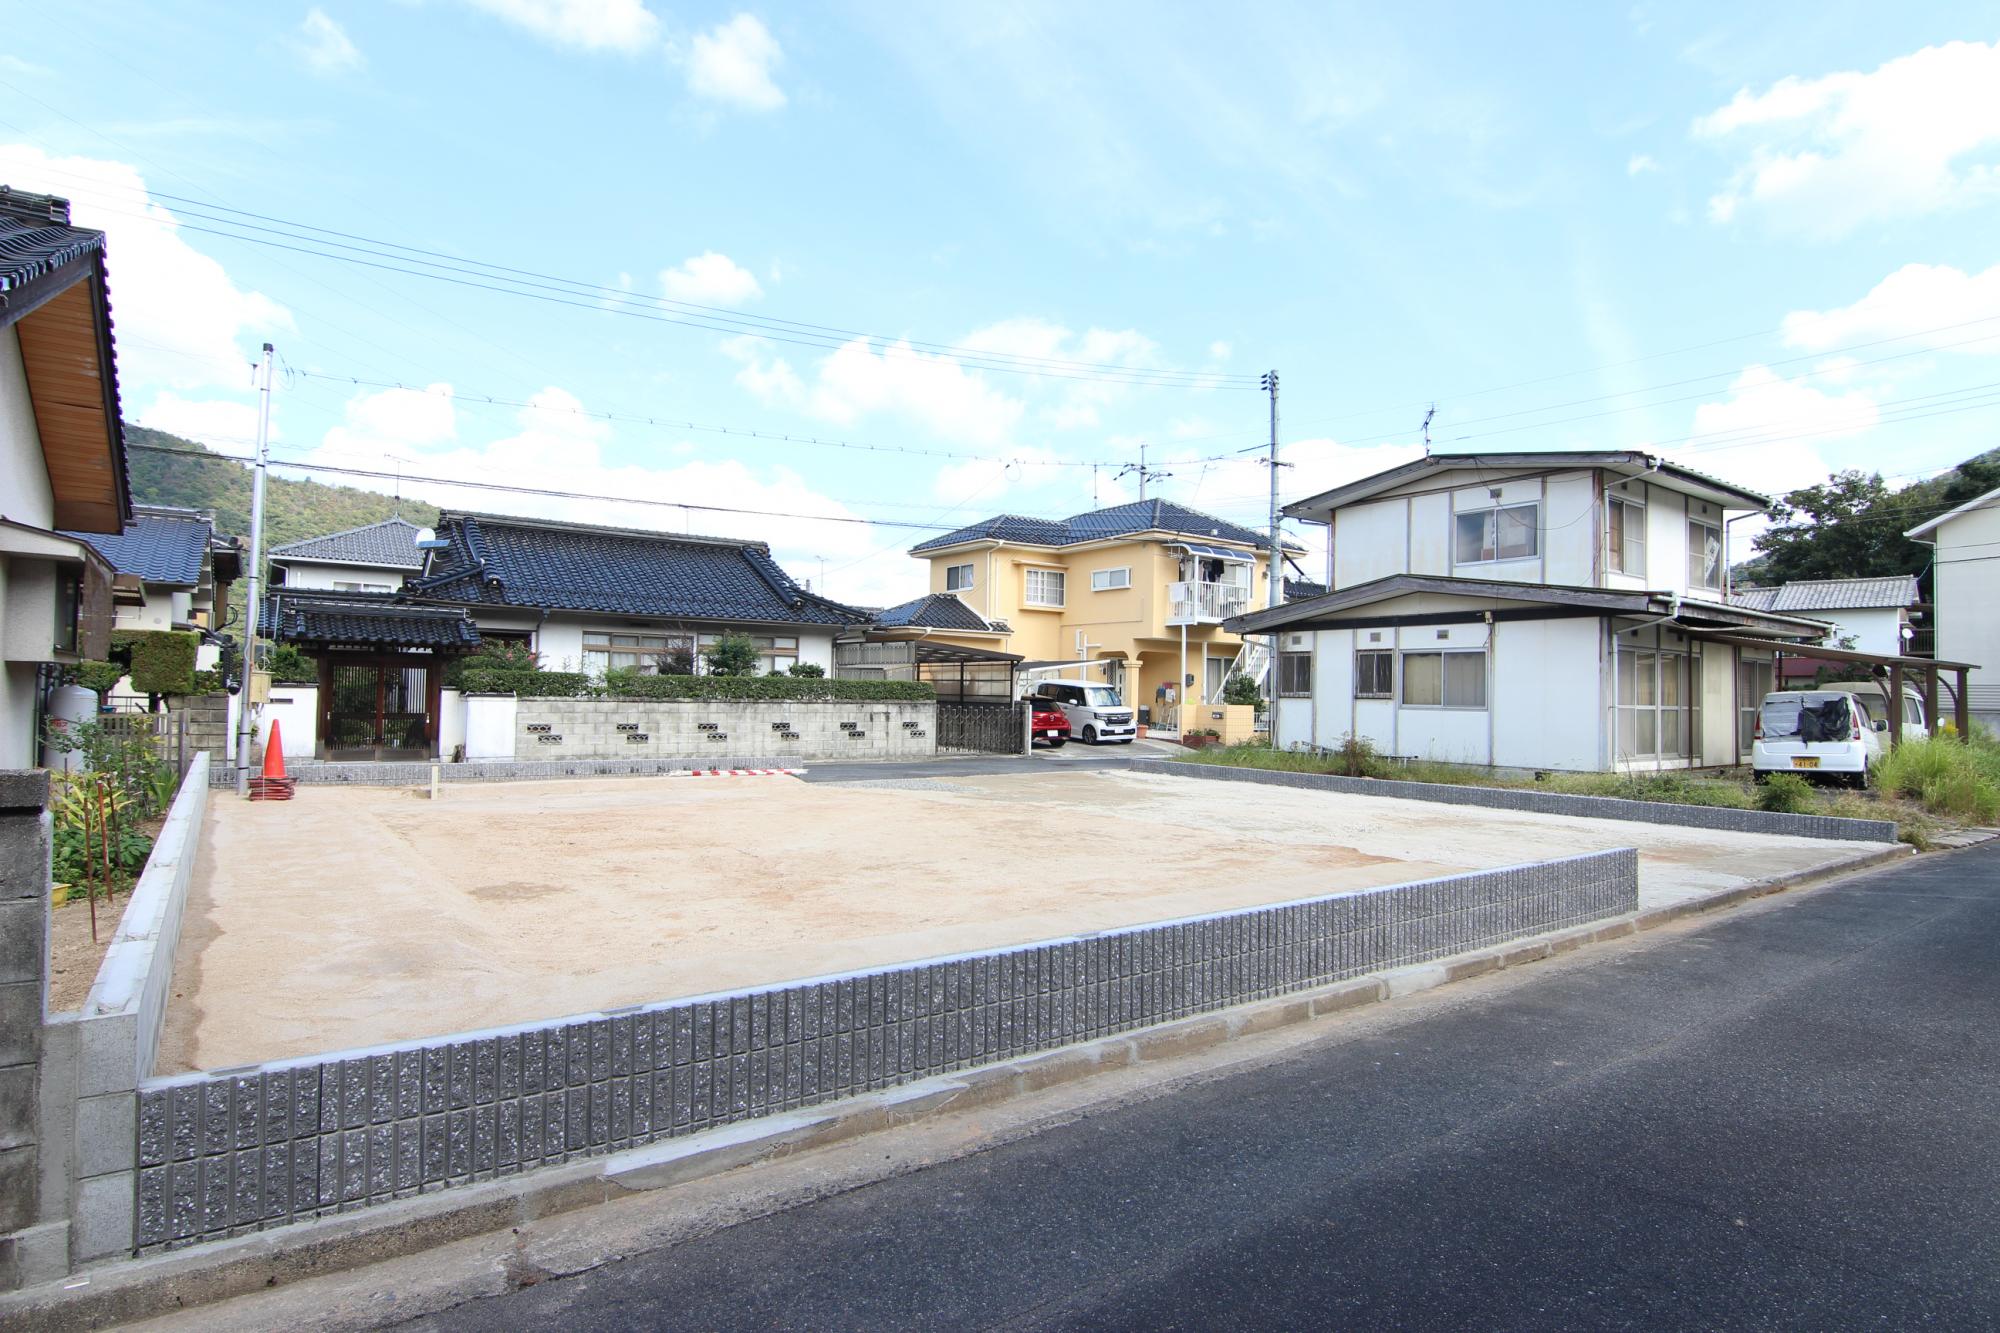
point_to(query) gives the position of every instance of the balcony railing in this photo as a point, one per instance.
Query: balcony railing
(1205, 603)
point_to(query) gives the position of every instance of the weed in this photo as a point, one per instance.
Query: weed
(1786, 794)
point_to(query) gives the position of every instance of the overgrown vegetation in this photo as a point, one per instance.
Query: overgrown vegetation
(289, 666)
(1786, 794)
(1960, 782)
(99, 844)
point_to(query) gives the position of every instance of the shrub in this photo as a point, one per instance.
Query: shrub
(1240, 689)
(1356, 757)
(802, 688)
(808, 670)
(1786, 794)
(162, 660)
(529, 684)
(491, 655)
(289, 666)
(98, 676)
(732, 655)
(1946, 777)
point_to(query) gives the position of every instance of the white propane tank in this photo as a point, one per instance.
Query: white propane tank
(69, 705)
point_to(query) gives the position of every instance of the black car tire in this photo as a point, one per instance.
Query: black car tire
(1090, 735)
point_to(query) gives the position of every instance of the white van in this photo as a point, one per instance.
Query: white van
(1873, 696)
(1094, 713)
(1817, 733)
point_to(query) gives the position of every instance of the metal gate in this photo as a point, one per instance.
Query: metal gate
(982, 728)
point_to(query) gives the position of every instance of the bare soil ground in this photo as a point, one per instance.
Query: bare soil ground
(354, 916)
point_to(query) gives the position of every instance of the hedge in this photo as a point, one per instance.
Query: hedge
(162, 659)
(574, 685)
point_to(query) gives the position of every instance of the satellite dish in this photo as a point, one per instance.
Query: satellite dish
(425, 535)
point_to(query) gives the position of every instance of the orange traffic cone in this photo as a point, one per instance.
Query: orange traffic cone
(274, 785)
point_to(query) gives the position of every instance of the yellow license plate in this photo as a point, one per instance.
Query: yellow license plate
(1805, 761)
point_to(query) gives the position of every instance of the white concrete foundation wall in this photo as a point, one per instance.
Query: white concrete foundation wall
(110, 1043)
(296, 710)
(551, 729)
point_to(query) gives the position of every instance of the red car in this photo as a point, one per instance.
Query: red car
(1050, 723)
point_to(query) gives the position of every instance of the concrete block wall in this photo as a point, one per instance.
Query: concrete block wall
(1544, 802)
(693, 729)
(29, 1251)
(98, 1055)
(242, 1150)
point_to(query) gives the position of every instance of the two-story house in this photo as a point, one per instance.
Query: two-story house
(1136, 593)
(377, 557)
(1966, 541)
(1533, 610)
(172, 571)
(62, 458)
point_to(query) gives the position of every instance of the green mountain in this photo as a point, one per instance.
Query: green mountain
(293, 509)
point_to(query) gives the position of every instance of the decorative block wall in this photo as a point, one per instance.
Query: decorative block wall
(230, 1152)
(622, 729)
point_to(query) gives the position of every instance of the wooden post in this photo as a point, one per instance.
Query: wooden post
(1895, 703)
(1961, 710)
(1931, 699)
(325, 741)
(434, 704)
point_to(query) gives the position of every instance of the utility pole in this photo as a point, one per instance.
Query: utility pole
(1142, 469)
(1269, 383)
(1138, 469)
(254, 582)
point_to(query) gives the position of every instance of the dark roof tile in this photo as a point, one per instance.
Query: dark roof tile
(160, 546)
(1098, 525)
(938, 610)
(392, 543)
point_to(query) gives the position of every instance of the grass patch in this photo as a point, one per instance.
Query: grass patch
(1946, 778)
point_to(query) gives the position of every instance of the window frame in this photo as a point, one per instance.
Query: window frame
(1721, 558)
(1618, 537)
(1490, 515)
(1444, 703)
(1095, 574)
(964, 584)
(1029, 578)
(1290, 661)
(1375, 691)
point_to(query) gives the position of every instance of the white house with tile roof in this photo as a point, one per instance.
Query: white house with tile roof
(377, 557)
(1966, 541)
(1867, 615)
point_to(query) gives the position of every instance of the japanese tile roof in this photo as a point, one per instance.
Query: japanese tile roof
(938, 610)
(158, 545)
(322, 618)
(1832, 594)
(1098, 525)
(495, 560)
(33, 247)
(1297, 590)
(391, 543)
(1626, 462)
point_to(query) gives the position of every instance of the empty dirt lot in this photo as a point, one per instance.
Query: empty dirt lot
(354, 915)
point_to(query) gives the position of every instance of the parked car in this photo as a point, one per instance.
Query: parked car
(1826, 733)
(1873, 696)
(1094, 713)
(1051, 724)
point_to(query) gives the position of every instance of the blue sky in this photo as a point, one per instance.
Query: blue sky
(1759, 239)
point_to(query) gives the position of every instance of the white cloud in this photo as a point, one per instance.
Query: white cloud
(181, 322)
(1219, 351)
(710, 278)
(555, 444)
(588, 25)
(732, 64)
(224, 426)
(857, 381)
(1771, 433)
(1639, 164)
(325, 46)
(1919, 135)
(1934, 302)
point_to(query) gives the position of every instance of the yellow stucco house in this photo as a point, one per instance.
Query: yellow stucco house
(1117, 589)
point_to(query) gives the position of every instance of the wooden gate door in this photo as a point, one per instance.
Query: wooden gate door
(376, 710)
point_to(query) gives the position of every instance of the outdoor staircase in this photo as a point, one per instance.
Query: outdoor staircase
(1253, 661)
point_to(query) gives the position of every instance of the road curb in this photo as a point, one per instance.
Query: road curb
(129, 1290)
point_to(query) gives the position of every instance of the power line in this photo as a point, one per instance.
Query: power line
(686, 505)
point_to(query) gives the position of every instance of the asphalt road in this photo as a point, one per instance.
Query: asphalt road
(1789, 1118)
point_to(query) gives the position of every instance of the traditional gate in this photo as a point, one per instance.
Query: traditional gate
(377, 709)
(982, 728)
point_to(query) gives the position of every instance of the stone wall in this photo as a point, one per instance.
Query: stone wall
(695, 729)
(29, 1250)
(242, 1150)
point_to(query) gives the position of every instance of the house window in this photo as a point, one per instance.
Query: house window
(957, 578)
(775, 653)
(1445, 680)
(340, 585)
(1295, 675)
(1045, 587)
(1105, 580)
(649, 654)
(1628, 537)
(1704, 555)
(1509, 532)
(1374, 675)
(69, 608)
(1653, 704)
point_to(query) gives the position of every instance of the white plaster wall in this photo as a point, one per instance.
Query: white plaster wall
(1570, 530)
(17, 716)
(1666, 540)
(451, 721)
(1333, 686)
(1293, 726)
(489, 726)
(1717, 692)
(1875, 629)
(157, 613)
(25, 495)
(295, 708)
(1368, 542)
(1546, 678)
(312, 574)
(559, 641)
(817, 647)
(1968, 613)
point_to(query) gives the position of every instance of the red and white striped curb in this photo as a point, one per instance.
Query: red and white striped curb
(736, 773)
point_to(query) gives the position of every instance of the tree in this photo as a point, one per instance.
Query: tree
(733, 655)
(1240, 689)
(1847, 527)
